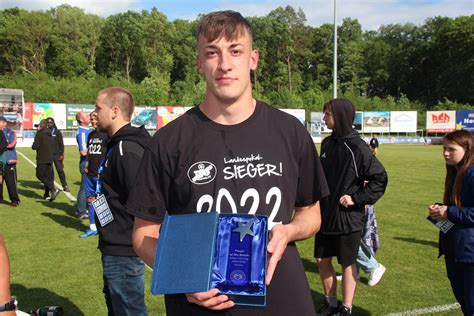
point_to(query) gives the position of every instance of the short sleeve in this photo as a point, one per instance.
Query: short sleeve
(146, 199)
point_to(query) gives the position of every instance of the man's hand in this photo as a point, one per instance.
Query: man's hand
(346, 201)
(210, 300)
(279, 239)
(61, 158)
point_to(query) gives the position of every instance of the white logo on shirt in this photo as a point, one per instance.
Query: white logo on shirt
(202, 172)
(323, 155)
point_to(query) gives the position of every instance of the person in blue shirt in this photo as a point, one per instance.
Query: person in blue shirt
(8, 158)
(82, 136)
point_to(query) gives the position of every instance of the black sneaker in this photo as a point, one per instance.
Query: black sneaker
(344, 311)
(54, 194)
(66, 188)
(326, 310)
(15, 203)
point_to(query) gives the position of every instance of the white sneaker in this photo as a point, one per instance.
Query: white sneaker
(376, 275)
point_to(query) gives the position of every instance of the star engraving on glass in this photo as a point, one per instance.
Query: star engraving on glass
(245, 229)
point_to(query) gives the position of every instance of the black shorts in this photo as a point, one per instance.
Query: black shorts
(344, 247)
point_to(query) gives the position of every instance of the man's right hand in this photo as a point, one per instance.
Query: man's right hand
(210, 299)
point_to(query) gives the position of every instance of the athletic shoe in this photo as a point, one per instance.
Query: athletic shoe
(344, 311)
(66, 188)
(376, 275)
(54, 194)
(14, 203)
(89, 233)
(326, 310)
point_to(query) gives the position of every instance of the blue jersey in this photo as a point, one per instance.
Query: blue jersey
(81, 137)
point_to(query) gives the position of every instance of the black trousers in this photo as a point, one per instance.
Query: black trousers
(60, 169)
(10, 178)
(45, 173)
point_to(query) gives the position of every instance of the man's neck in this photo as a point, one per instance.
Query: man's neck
(116, 127)
(228, 113)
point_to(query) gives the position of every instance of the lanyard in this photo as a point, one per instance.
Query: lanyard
(98, 185)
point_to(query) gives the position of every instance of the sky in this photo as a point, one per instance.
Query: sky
(371, 14)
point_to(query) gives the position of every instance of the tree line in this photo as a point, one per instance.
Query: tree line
(66, 55)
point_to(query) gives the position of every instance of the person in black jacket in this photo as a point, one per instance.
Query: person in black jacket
(355, 178)
(44, 146)
(123, 270)
(58, 153)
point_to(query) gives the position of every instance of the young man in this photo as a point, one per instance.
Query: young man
(82, 135)
(123, 270)
(355, 178)
(44, 146)
(256, 159)
(58, 153)
(97, 149)
(9, 160)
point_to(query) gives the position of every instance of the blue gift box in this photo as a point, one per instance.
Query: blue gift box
(200, 251)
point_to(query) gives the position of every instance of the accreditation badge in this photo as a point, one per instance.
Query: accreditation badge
(101, 208)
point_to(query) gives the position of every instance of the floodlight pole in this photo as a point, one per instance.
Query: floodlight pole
(334, 75)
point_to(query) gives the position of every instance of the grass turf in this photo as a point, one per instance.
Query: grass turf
(51, 265)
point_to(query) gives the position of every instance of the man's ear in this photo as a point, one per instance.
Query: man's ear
(199, 64)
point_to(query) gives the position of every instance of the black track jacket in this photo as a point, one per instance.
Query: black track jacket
(126, 150)
(348, 163)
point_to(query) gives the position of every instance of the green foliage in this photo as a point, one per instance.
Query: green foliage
(399, 66)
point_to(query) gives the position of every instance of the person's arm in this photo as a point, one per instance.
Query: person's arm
(82, 143)
(305, 223)
(11, 139)
(36, 142)
(59, 136)
(4, 277)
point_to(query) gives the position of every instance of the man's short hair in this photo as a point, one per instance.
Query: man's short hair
(229, 24)
(120, 97)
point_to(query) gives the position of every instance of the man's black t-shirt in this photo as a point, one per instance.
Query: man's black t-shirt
(266, 165)
(96, 151)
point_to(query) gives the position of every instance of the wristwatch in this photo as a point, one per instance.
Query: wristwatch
(9, 306)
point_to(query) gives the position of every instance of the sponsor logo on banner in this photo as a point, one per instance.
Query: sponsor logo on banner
(440, 119)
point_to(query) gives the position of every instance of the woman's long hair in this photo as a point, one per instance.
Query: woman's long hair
(455, 174)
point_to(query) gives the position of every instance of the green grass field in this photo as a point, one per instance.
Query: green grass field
(51, 265)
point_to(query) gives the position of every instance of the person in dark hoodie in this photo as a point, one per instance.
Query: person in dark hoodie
(123, 270)
(44, 146)
(355, 178)
(58, 153)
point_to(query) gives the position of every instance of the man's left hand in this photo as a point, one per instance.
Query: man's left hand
(279, 238)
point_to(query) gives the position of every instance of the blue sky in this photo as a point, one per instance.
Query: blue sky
(370, 13)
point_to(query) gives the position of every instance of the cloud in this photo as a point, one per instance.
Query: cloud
(102, 8)
(370, 13)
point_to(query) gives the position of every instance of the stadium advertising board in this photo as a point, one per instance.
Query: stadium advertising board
(55, 110)
(168, 113)
(300, 114)
(376, 122)
(465, 120)
(403, 121)
(28, 115)
(72, 110)
(358, 121)
(440, 121)
(146, 116)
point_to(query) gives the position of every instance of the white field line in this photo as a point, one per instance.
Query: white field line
(428, 310)
(69, 195)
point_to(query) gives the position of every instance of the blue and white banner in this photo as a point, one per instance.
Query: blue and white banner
(465, 120)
